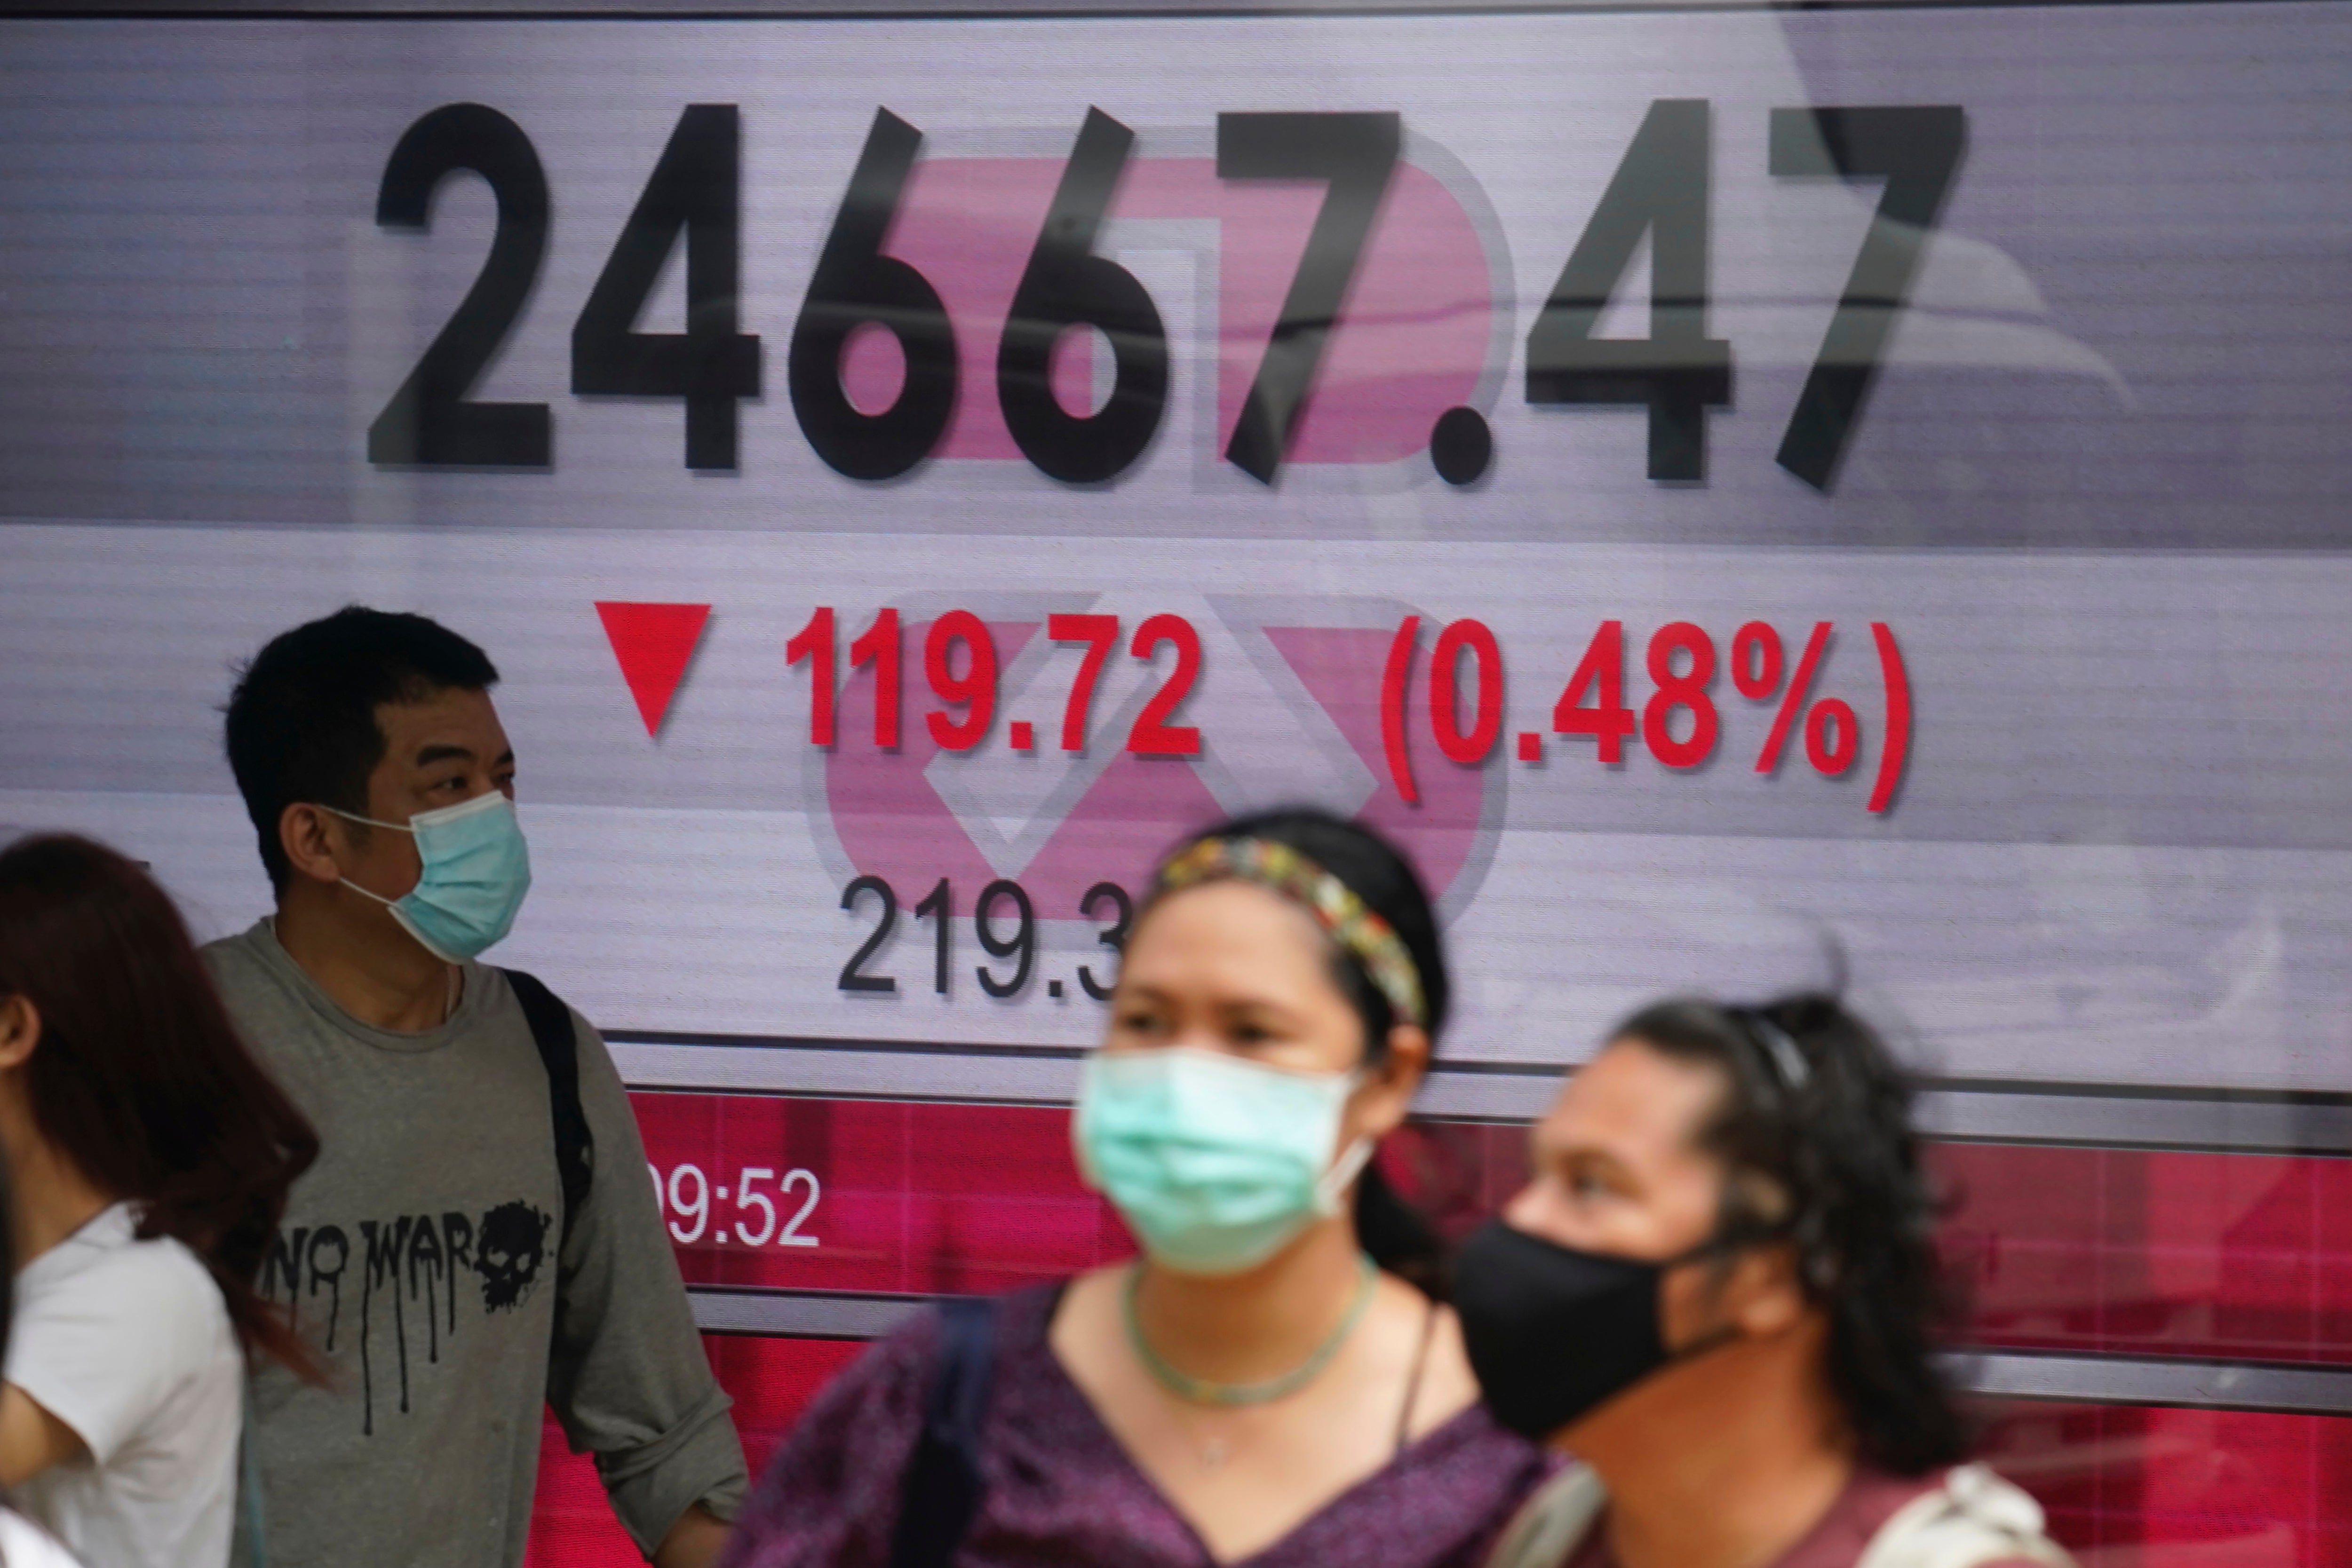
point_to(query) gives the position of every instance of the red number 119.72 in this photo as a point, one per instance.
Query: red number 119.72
(961, 666)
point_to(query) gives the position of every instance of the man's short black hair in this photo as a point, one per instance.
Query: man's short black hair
(302, 722)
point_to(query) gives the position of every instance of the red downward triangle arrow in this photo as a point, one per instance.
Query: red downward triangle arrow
(654, 643)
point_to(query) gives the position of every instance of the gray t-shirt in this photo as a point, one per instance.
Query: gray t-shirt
(419, 1256)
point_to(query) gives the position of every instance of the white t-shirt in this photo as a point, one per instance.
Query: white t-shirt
(128, 1343)
(22, 1545)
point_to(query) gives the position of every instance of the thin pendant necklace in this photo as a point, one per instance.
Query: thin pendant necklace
(1205, 1391)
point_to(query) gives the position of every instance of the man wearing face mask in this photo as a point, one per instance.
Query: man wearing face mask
(477, 1241)
(1719, 1291)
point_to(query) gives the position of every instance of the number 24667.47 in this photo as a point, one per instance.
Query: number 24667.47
(1661, 190)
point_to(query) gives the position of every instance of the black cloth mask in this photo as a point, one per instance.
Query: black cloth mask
(1553, 1333)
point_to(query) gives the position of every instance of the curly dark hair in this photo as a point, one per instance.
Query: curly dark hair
(1814, 1129)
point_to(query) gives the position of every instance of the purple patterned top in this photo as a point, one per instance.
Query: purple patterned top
(1062, 1491)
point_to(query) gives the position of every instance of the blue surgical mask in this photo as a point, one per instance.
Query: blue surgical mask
(477, 870)
(1216, 1164)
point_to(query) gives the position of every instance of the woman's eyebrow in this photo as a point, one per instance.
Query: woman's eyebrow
(1257, 1007)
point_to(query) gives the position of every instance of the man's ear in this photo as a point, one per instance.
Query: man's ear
(20, 1030)
(1766, 1294)
(312, 839)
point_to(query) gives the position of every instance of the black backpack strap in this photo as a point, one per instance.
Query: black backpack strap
(941, 1493)
(559, 1052)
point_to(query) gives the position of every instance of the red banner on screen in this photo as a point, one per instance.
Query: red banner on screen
(863, 1194)
(2118, 1251)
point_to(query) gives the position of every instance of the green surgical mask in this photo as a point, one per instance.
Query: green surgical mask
(1214, 1163)
(476, 870)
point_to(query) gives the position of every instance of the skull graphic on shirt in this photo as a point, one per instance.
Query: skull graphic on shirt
(509, 1252)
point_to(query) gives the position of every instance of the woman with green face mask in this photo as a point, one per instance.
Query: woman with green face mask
(1275, 1379)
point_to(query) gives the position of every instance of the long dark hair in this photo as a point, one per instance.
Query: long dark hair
(1815, 1131)
(1393, 1233)
(138, 1077)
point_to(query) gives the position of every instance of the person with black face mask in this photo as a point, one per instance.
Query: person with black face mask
(1719, 1291)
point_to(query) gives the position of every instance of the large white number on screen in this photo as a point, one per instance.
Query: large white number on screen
(699, 1208)
(746, 1198)
(792, 1236)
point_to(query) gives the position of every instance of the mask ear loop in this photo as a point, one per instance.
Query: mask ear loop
(363, 892)
(1332, 1185)
(1719, 1245)
(391, 904)
(394, 904)
(371, 821)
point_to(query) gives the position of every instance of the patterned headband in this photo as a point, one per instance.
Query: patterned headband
(1371, 941)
